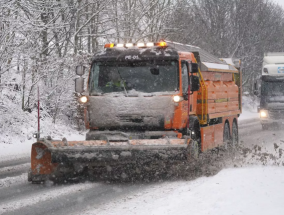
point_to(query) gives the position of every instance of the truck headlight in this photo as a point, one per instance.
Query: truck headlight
(177, 98)
(83, 99)
(263, 113)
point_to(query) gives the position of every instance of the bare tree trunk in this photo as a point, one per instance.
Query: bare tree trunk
(23, 85)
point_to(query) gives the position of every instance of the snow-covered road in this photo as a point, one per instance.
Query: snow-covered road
(243, 190)
(254, 190)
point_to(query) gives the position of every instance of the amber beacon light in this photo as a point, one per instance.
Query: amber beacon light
(137, 45)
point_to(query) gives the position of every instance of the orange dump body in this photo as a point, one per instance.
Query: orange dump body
(220, 102)
(222, 96)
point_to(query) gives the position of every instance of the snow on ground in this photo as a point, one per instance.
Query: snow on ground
(251, 190)
(35, 198)
(11, 181)
(247, 114)
(17, 127)
(249, 106)
(14, 146)
(248, 190)
(21, 146)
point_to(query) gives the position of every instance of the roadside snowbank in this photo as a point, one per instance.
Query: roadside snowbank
(249, 106)
(248, 114)
(17, 127)
(21, 144)
(253, 190)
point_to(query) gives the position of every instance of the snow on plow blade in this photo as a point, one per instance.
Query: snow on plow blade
(48, 155)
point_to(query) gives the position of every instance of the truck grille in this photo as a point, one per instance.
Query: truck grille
(276, 114)
(131, 118)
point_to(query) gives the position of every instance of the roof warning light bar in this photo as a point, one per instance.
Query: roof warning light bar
(139, 45)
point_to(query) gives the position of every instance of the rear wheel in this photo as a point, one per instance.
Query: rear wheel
(226, 135)
(235, 135)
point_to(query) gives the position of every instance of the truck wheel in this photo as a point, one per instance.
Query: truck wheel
(194, 150)
(195, 144)
(226, 135)
(264, 127)
(235, 135)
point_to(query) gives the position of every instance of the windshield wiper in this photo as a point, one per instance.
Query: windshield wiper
(122, 80)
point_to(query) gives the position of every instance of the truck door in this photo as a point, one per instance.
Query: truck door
(185, 78)
(184, 74)
(184, 89)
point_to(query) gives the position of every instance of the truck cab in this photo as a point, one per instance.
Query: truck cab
(161, 91)
(270, 89)
(141, 91)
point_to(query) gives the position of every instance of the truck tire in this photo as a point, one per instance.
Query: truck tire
(235, 135)
(194, 150)
(226, 135)
(195, 145)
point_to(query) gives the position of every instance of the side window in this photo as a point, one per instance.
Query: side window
(184, 74)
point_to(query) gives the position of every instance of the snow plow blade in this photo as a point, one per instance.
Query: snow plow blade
(50, 158)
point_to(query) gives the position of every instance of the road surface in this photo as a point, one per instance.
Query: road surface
(17, 196)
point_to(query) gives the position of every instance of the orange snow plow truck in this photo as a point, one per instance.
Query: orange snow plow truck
(147, 102)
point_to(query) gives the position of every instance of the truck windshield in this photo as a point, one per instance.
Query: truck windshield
(272, 88)
(146, 77)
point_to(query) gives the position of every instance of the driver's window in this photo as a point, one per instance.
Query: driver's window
(184, 74)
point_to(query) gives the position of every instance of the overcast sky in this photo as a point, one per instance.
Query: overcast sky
(280, 2)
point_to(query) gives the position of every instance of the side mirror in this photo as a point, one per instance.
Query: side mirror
(193, 68)
(80, 70)
(194, 83)
(79, 85)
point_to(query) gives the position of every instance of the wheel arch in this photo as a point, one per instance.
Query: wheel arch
(193, 120)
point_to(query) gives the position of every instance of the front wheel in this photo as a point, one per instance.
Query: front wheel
(193, 149)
